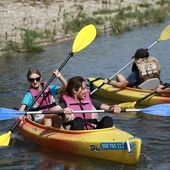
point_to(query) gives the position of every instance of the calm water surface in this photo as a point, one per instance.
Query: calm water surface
(103, 58)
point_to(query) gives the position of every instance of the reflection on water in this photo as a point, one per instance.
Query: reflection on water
(103, 58)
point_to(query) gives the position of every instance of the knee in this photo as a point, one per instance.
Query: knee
(120, 77)
(105, 122)
(57, 122)
(47, 122)
(77, 124)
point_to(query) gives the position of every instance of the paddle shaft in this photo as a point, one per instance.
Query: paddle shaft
(75, 111)
(43, 89)
(112, 76)
(82, 111)
(51, 79)
(152, 45)
(11, 114)
(139, 100)
(122, 69)
(18, 113)
(159, 110)
(143, 98)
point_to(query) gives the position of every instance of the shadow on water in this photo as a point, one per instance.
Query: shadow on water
(36, 157)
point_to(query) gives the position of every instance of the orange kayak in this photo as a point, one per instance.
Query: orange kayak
(108, 144)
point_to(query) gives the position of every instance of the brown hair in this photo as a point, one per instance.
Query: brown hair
(32, 71)
(73, 83)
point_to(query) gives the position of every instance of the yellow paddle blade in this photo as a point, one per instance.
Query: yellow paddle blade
(165, 35)
(85, 36)
(127, 105)
(5, 138)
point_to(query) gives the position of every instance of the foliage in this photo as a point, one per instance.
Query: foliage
(30, 38)
(80, 21)
(117, 20)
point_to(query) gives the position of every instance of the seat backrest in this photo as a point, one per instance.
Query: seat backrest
(150, 84)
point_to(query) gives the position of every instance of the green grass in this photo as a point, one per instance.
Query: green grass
(119, 20)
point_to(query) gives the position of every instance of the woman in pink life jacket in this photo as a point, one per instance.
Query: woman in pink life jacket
(46, 101)
(77, 97)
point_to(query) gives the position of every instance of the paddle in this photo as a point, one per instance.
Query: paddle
(165, 35)
(97, 88)
(132, 104)
(158, 110)
(85, 36)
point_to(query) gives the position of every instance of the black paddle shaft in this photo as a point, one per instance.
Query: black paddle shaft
(51, 79)
(166, 86)
(48, 83)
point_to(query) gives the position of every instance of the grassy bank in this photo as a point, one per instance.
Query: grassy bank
(114, 21)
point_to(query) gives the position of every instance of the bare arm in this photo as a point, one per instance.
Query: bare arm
(115, 108)
(59, 108)
(22, 108)
(60, 77)
(162, 91)
(121, 84)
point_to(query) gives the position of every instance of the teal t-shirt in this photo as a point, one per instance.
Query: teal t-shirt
(28, 99)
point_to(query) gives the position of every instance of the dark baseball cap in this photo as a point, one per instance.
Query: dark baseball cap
(141, 53)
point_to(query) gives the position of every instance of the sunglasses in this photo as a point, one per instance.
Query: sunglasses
(33, 79)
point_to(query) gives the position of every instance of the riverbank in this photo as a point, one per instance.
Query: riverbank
(51, 21)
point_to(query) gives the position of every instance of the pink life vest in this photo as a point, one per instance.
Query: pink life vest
(46, 99)
(85, 104)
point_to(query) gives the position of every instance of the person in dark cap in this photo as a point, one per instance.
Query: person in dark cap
(141, 53)
(144, 67)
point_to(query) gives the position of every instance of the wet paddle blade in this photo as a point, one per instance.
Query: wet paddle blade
(5, 139)
(165, 35)
(84, 38)
(158, 110)
(6, 113)
(5, 116)
(6, 110)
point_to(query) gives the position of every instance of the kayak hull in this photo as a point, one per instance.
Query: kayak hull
(109, 144)
(126, 94)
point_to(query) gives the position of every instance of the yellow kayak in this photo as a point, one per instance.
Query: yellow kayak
(108, 144)
(112, 94)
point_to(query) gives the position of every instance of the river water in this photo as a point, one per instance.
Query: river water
(102, 58)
